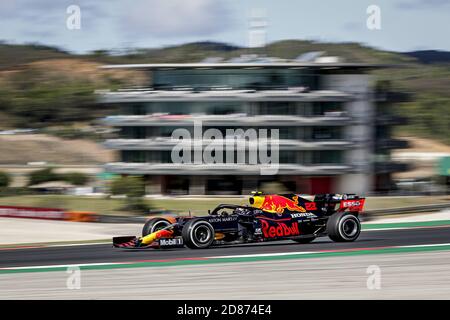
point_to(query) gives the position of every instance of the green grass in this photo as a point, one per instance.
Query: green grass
(115, 206)
(180, 205)
(67, 202)
(396, 202)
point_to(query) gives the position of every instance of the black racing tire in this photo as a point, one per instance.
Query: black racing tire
(304, 240)
(343, 227)
(198, 234)
(153, 225)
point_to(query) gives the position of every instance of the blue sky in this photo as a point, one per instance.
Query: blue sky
(113, 24)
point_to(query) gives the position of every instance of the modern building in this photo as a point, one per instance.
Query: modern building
(334, 125)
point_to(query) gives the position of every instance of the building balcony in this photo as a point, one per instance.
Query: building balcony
(240, 119)
(188, 94)
(166, 143)
(224, 169)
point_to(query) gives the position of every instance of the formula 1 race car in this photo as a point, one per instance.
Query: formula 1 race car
(268, 217)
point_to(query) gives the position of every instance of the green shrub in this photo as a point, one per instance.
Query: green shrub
(40, 176)
(134, 188)
(131, 186)
(46, 175)
(16, 191)
(5, 180)
(75, 178)
(119, 186)
(137, 205)
(71, 133)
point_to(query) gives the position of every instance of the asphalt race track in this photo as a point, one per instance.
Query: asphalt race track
(104, 253)
(413, 263)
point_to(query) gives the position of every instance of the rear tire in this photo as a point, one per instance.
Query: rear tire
(304, 240)
(343, 227)
(153, 225)
(198, 234)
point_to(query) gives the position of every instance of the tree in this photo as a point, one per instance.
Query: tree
(134, 188)
(40, 97)
(131, 186)
(76, 178)
(4, 179)
(119, 186)
(40, 176)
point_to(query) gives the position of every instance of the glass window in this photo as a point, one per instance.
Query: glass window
(133, 132)
(184, 108)
(133, 156)
(288, 157)
(327, 157)
(326, 107)
(326, 133)
(259, 79)
(278, 108)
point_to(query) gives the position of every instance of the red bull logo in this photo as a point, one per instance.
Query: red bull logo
(276, 203)
(280, 229)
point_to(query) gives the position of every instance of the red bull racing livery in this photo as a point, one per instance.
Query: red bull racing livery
(266, 218)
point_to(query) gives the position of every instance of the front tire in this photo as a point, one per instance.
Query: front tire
(198, 234)
(343, 227)
(153, 225)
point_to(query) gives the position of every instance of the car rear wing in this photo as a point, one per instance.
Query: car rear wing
(352, 205)
(342, 202)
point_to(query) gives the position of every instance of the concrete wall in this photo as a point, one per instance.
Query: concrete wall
(362, 110)
(359, 183)
(197, 185)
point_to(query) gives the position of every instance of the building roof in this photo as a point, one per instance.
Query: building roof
(246, 65)
(292, 94)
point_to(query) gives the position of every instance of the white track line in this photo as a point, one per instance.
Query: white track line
(403, 228)
(264, 254)
(325, 251)
(40, 245)
(75, 244)
(396, 228)
(425, 245)
(221, 257)
(65, 265)
(37, 245)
